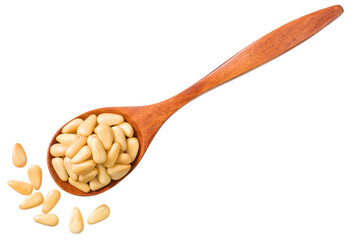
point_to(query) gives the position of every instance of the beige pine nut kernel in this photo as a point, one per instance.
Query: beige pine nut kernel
(99, 214)
(112, 155)
(68, 165)
(127, 129)
(95, 184)
(72, 126)
(47, 219)
(84, 187)
(75, 147)
(110, 119)
(102, 175)
(19, 157)
(58, 165)
(124, 158)
(89, 142)
(83, 154)
(58, 150)
(119, 136)
(87, 177)
(133, 147)
(118, 171)
(35, 176)
(76, 223)
(66, 139)
(99, 154)
(105, 135)
(51, 200)
(21, 187)
(87, 127)
(33, 200)
(84, 167)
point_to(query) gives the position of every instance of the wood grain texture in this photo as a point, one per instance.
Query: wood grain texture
(148, 119)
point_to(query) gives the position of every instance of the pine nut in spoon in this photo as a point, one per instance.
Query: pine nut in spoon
(147, 120)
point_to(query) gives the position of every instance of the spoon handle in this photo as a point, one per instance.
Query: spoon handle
(259, 52)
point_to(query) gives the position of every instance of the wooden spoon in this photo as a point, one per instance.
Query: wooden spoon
(147, 120)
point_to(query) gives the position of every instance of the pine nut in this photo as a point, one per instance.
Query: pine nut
(133, 147)
(76, 223)
(83, 154)
(118, 171)
(84, 187)
(21, 187)
(68, 165)
(112, 155)
(105, 135)
(58, 165)
(95, 184)
(47, 219)
(86, 127)
(75, 147)
(110, 119)
(58, 150)
(127, 129)
(119, 137)
(35, 176)
(84, 167)
(33, 200)
(98, 152)
(124, 158)
(100, 213)
(66, 139)
(19, 157)
(72, 126)
(102, 175)
(87, 177)
(51, 200)
(89, 143)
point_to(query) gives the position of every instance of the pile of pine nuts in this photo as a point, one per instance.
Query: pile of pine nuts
(90, 153)
(35, 199)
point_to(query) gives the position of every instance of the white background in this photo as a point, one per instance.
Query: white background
(266, 156)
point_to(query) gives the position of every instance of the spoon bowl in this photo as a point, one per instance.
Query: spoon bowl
(129, 117)
(146, 120)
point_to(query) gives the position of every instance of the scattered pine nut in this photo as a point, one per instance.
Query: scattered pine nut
(35, 176)
(51, 200)
(33, 200)
(47, 219)
(21, 187)
(76, 223)
(19, 157)
(100, 213)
